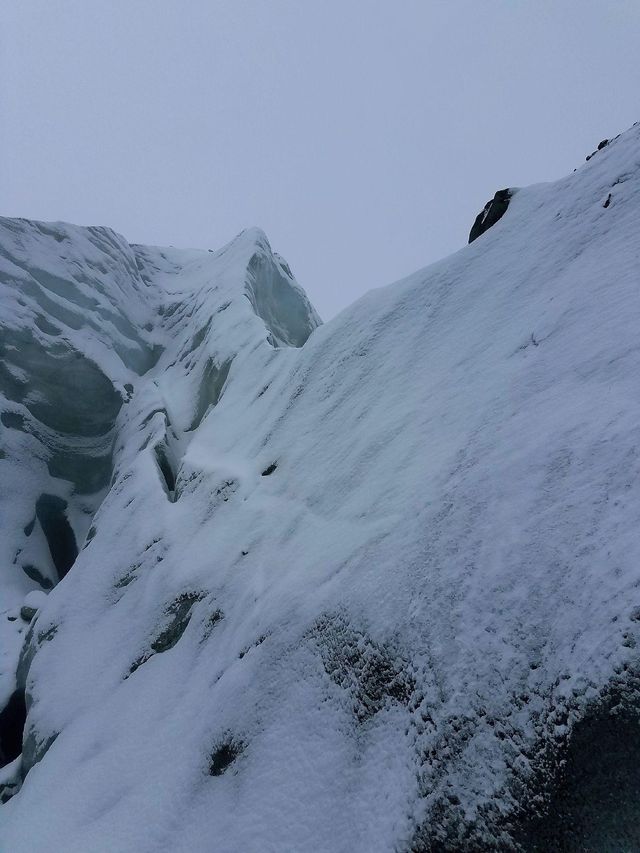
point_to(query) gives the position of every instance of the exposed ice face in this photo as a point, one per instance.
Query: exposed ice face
(85, 316)
(357, 595)
(277, 299)
(73, 339)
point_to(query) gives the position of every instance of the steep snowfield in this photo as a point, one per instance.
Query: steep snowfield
(369, 594)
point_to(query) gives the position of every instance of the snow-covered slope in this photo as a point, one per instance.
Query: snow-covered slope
(377, 592)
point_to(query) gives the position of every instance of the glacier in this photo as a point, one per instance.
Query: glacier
(269, 584)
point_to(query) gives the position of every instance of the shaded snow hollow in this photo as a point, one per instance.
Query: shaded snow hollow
(380, 592)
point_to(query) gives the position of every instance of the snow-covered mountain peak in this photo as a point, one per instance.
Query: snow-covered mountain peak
(253, 237)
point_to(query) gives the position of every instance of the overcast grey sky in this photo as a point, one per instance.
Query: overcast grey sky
(362, 135)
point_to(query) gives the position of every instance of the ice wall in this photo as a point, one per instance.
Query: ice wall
(85, 319)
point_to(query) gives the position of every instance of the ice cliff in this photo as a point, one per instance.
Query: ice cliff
(373, 585)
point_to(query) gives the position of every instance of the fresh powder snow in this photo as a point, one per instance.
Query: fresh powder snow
(372, 585)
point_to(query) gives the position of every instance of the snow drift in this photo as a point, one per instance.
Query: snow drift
(366, 586)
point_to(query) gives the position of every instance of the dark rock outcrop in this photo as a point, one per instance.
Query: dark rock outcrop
(588, 792)
(491, 213)
(224, 755)
(12, 718)
(601, 145)
(51, 513)
(27, 613)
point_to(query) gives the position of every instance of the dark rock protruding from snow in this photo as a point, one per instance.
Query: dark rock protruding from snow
(224, 756)
(590, 795)
(27, 613)
(50, 511)
(601, 145)
(12, 719)
(491, 213)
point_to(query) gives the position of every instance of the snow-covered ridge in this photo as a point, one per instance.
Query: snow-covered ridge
(368, 594)
(90, 323)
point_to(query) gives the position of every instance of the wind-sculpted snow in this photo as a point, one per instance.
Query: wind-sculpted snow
(85, 318)
(377, 593)
(72, 342)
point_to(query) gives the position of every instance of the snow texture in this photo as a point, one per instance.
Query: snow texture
(362, 586)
